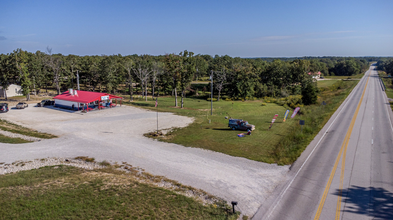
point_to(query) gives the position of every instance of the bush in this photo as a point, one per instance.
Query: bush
(309, 94)
(263, 104)
(214, 99)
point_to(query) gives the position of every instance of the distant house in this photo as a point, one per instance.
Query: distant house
(315, 75)
(13, 90)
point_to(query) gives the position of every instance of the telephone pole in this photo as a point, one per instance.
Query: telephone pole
(211, 92)
(77, 79)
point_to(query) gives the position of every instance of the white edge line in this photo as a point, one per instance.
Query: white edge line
(282, 194)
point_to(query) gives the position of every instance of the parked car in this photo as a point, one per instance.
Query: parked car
(45, 103)
(4, 107)
(22, 105)
(239, 124)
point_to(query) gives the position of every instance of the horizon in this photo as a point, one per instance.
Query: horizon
(253, 29)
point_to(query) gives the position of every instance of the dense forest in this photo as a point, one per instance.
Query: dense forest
(171, 74)
(385, 64)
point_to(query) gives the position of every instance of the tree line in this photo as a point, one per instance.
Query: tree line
(171, 74)
(386, 65)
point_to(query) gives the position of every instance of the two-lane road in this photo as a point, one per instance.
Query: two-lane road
(347, 171)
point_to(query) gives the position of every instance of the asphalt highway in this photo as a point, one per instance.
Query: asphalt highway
(347, 170)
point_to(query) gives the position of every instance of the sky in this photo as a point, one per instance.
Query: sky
(248, 28)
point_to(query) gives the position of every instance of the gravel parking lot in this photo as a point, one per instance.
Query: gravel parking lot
(116, 135)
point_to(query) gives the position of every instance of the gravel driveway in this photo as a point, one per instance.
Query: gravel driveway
(116, 135)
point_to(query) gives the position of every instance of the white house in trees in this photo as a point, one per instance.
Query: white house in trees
(13, 90)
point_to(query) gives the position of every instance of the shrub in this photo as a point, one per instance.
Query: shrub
(209, 99)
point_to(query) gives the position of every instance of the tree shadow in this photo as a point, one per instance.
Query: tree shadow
(371, 201)
(142, 104)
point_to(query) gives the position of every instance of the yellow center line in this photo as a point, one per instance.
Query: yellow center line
(343, 146)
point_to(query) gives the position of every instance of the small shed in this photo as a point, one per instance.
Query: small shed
(12, 90)
(85, 100)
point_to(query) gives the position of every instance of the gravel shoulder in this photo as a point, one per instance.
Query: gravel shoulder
(116, 135)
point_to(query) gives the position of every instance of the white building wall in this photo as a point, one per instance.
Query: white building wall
(13, 90)
(66, 103)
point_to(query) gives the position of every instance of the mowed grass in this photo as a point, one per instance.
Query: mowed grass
(326, 83)
(64, 192)
(217, 136)
(282, 144)
(14, 128)
(358, 76)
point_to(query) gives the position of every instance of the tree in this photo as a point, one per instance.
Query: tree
(220, 78)
(72, 63)
(5, 73)
(109, 76)
(173, 69)
(201, 66)
(21, 63)
(309, 93)
(54, 63)
(142, 70)
(157, 70)
(187, 70)
(128, 64)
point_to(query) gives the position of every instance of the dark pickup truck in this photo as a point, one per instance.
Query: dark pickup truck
(45, 102)
(239, 124)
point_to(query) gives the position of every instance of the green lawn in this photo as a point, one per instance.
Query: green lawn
(358, 76)
(282, 144)
(64, 192)
(326, 83)
(217, 136)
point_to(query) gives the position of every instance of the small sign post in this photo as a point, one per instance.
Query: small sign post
(301, 122)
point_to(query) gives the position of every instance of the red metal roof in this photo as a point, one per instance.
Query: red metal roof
(84, 96)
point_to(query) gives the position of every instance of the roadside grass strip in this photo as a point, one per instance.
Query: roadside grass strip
(388, 82)
(66, 192)
(282, 144)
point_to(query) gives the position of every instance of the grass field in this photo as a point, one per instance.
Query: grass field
(358, 76)
(282, 144)
(64, 192)
(217, 136)
(326, 83)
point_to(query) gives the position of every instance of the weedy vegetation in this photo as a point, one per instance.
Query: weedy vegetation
(65, 192)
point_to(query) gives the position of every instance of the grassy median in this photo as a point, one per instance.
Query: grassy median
(64, 192)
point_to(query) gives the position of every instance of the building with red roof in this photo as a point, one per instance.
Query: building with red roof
(79, 100)
(315, 75)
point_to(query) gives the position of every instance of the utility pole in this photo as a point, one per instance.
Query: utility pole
(35, 93)
(211, 93)
(77, 79)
